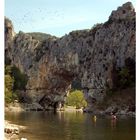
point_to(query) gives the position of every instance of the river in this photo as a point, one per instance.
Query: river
(72, 126)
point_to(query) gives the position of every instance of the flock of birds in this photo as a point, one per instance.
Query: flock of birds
(28, 18)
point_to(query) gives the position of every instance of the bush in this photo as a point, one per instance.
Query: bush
(9, 81)
(125, 78)
(9, 94)
(20, 79)
(14, 80)
(7, 69)
(76, 98)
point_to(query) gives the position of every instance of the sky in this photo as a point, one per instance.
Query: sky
(59, 17)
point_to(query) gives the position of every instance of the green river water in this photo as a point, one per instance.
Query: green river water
(72, 126)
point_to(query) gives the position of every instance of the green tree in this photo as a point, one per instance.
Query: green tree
(8, 69)
(14, 80)
(9, 82)
(76, 98)
(20, 79)
(125, 78)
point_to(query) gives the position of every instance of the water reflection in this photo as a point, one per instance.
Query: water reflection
(113, 123)
(72, 126)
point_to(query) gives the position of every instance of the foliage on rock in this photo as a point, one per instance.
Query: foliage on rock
(76, 98)
(20, 79)
(126, 75)
(14, 80)
(9, 94)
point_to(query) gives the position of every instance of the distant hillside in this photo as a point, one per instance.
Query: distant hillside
(41, 36)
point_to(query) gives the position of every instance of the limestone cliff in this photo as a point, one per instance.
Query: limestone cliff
(89, 55)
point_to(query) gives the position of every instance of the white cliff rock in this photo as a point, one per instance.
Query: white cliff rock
(89, 55)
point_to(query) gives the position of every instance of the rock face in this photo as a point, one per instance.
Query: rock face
(89, 55)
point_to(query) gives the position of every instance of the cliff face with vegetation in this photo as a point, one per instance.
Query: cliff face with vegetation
(92, 57)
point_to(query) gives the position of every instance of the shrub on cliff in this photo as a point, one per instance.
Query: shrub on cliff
(126, 75)
(76, 98)
(9, 81)
(20, 79)
(9, 94)
(14, 80)
(97, 25)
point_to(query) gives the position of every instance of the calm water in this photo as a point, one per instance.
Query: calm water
(72, 126)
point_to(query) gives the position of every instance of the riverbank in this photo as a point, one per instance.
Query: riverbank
(119, 102)
(108, 111)
(17, 107)
(72, 109)
(14, 107)
(12, 131)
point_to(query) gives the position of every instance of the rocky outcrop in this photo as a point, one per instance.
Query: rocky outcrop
(11, 131)
(89, 55)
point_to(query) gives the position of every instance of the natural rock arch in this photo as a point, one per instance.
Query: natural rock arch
(90, 55)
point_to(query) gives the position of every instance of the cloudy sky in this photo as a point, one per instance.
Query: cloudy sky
(59, 17)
